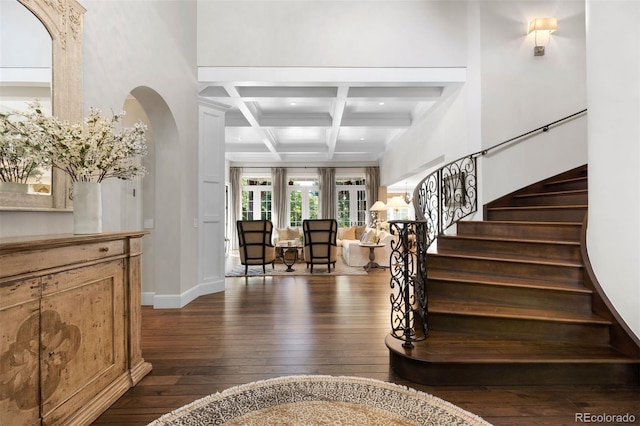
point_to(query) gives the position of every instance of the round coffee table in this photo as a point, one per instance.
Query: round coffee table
(372, 256)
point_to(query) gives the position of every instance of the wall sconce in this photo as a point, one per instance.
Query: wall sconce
(542, 25)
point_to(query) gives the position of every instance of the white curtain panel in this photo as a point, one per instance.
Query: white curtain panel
(371, 185)
(280, 201)
(235, 174)
(327, 186)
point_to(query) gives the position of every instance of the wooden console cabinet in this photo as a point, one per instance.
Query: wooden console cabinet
(69, 326)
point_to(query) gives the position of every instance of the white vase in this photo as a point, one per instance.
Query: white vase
(87, 208)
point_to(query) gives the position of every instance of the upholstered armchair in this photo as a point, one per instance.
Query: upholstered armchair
(254, 239)
(320, 242)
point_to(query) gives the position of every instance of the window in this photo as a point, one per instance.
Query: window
(352, 201)
(256, 199)
(303, 200)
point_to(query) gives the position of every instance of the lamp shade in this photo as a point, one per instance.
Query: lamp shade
(543, 24)
(378, 206)
(397, 203)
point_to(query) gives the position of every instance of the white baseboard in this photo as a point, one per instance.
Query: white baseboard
(147, 298)
(177, 301)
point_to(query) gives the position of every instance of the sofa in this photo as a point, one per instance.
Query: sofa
(349, 240)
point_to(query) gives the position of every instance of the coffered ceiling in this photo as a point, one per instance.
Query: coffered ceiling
(320, 115)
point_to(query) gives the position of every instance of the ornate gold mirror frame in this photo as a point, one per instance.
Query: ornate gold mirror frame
(63, 21)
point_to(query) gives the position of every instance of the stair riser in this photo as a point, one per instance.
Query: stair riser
(511, 249)
(513, 373)
(557, 232)
(510, 296)
(571, 275)
(519, 328)
(538, 215)
(552, 200)
(567, 186)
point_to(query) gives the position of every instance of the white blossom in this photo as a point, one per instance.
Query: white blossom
(90, 152)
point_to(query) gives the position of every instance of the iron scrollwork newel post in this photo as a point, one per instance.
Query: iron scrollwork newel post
(408, 270)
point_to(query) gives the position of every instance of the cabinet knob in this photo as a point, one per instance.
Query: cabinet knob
(104, 249)
(51, 354)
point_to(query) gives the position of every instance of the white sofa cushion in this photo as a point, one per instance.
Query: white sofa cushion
(356, 255)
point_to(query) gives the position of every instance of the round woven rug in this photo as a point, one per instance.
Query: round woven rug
(320, 400)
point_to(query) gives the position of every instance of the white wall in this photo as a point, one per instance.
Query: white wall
(151, 45)
(436, 140)
(613, 87)
(521, 92)
(331, 33)
(508, 92)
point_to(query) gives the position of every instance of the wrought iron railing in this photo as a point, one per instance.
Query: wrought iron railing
(447, 195)
(441, 199)
(408, 266)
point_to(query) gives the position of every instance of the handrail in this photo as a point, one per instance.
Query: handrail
(544, 128)
(441, 199)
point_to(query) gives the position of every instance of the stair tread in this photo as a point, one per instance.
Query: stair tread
(449, 347)
(502, 258)
(506, 281)
(475, 308)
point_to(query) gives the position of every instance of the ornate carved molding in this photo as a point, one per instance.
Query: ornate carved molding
(62, 18)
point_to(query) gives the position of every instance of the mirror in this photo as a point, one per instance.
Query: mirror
(25, 76)
(62, 20)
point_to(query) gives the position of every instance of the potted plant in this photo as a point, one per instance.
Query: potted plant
(88, 152)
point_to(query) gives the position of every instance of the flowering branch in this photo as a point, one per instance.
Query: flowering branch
(89, 153)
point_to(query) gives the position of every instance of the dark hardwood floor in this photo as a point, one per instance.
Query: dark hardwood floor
(264, 327)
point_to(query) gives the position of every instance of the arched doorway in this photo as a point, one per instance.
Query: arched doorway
(150, 203)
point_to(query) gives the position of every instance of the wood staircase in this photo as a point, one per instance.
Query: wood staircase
(508, 300)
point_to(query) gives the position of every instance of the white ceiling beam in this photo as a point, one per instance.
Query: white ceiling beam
(279, 92)
(245, 147)
(398, 93)
(337, 116)
(250, 114)
(331, 75)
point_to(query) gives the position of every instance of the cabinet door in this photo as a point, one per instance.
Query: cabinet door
(82, 336)
(19, 352)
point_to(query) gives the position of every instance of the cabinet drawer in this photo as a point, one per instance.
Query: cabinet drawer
(37, 260)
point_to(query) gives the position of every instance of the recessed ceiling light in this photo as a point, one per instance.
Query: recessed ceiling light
(361, 139)
(293, 103)
(380, 103)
